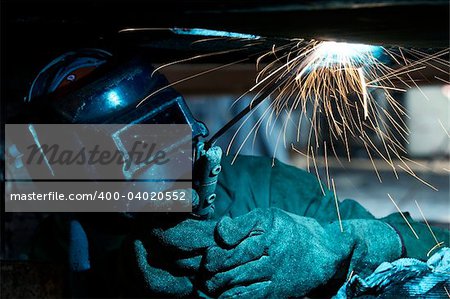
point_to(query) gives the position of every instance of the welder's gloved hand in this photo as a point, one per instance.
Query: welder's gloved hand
(270, 253)
(183, 244)
(176, 239)
(166, 259)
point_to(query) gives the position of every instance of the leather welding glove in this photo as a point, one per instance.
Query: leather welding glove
(270, 253)
(163, 261)
(181, 245)
(175, 240)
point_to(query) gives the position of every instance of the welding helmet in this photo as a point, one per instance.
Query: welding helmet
(90, 86)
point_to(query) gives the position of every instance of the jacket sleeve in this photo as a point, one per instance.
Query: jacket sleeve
(253, 182)
(426, 240)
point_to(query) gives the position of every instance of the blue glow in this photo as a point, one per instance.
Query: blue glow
(335, 52)
(207, 32)
(113, 98)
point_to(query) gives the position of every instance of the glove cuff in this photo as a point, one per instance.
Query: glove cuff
(367, 243)
(402, 241)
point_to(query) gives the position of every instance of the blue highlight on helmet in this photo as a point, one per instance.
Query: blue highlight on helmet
(114, 99)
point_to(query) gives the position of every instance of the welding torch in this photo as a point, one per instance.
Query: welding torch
(208, 156)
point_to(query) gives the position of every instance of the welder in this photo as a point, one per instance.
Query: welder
(276, 235)
(273, 232)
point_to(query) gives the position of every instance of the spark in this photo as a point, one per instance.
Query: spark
(337, 205)
(442, 80)
(434, 248)
(446, 291)
(350, 276)
(403, 216)
(317, 172)
(340, 83)
(443, 127)
(411, 173)
(325, 158)
(187, 79)
(438, 244)
(127, 30)
(373, 162)
(425, 219)
(364, 91)
(194, 58)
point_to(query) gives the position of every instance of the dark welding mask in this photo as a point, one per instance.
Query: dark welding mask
(90, 86)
